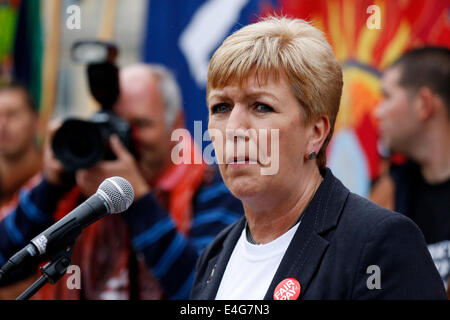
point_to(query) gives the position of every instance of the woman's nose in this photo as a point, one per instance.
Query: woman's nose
(238, 119)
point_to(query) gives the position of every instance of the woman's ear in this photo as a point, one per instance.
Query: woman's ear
(320, 128)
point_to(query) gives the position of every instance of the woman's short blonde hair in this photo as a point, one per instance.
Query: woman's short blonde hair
(292, 47)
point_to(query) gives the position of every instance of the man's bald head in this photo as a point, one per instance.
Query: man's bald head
(150, 101)
(149, 81)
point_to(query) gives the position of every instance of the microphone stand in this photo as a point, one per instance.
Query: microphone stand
(51, 272)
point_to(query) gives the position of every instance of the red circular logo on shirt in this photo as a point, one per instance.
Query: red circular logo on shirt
(288, 289)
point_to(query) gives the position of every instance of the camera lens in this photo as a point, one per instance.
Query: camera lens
(79, 148)
(78, 144)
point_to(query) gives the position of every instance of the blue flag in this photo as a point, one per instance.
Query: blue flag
(183, 35)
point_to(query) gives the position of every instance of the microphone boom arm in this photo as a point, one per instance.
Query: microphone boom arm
(114, 195)
(51, 272)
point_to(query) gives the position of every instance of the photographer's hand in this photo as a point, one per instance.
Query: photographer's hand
(52, 168)
(124, 166)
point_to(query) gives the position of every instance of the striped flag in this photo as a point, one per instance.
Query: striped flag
(21, 44)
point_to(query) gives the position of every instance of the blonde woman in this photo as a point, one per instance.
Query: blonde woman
(304, 235)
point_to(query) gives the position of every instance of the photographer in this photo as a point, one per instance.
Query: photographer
(178, 209)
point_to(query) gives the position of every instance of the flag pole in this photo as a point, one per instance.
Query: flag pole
(50, 66)
(107, 25)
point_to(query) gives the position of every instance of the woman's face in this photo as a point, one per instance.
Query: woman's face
(264, 117)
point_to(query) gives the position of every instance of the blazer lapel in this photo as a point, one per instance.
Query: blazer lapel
(217, 265)
(303, 256)
(300, 262)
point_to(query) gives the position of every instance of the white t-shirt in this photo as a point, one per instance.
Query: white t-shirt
(252, 267)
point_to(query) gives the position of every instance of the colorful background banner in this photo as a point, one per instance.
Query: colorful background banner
(183, 36)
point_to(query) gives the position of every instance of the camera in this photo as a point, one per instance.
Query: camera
(80, 143)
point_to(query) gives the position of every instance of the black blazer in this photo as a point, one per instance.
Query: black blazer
(340, 236)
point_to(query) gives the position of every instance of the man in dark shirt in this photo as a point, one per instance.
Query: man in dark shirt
(20, 156)
(415, 122)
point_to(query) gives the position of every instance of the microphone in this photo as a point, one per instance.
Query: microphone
(114, 195)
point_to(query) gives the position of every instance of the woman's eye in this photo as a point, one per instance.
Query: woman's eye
(263, 108)
(220, 108)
